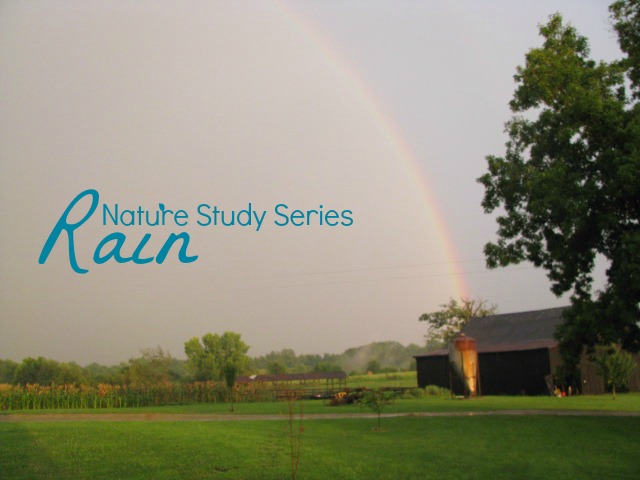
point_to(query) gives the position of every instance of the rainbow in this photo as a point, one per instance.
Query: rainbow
(390, 131)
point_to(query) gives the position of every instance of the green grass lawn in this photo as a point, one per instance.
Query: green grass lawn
(508, 447)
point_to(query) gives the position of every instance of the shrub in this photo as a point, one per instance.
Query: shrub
(377, 400)
(435, 391)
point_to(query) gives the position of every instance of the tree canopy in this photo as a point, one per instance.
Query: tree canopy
(149, 369)
(446, 323)
(615, 366)
(47, 372)
(568, 187)
(208, 359)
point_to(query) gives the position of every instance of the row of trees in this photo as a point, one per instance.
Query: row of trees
(42, 371)
(152, 367)
(206, 360)
(213, 358)
(377, 357)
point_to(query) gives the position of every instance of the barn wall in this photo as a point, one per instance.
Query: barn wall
(433, 371)
(554, 359)
(592, 383)
(514, 373)
(501, 373)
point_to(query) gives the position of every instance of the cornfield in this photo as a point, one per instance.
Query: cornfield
(37, 397)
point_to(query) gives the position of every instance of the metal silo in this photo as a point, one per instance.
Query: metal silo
(463, 357)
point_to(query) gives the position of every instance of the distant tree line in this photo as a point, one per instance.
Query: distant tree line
(206, 358)
(152, 367)
(377, 357)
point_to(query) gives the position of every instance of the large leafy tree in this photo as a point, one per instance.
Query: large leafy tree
(210, 358)
(568, 187)
(444, 324)
(151, 368)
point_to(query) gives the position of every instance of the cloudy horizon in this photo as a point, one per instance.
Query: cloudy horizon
(384, 110)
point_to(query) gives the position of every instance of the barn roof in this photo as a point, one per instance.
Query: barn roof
(512, 331)
(512, 328)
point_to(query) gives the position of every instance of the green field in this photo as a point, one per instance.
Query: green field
(523, 447)
(475, 447)
(399, 379)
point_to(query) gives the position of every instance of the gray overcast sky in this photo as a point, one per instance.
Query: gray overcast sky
(385, 109)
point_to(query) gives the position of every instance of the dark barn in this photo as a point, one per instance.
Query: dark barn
(517, 355)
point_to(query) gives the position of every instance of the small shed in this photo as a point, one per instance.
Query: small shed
(311, 384)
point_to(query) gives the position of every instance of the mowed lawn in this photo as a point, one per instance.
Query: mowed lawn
(470, 447)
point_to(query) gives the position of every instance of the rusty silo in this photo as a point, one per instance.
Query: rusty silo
(463, 357)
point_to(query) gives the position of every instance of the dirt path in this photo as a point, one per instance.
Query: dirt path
(186, 417)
